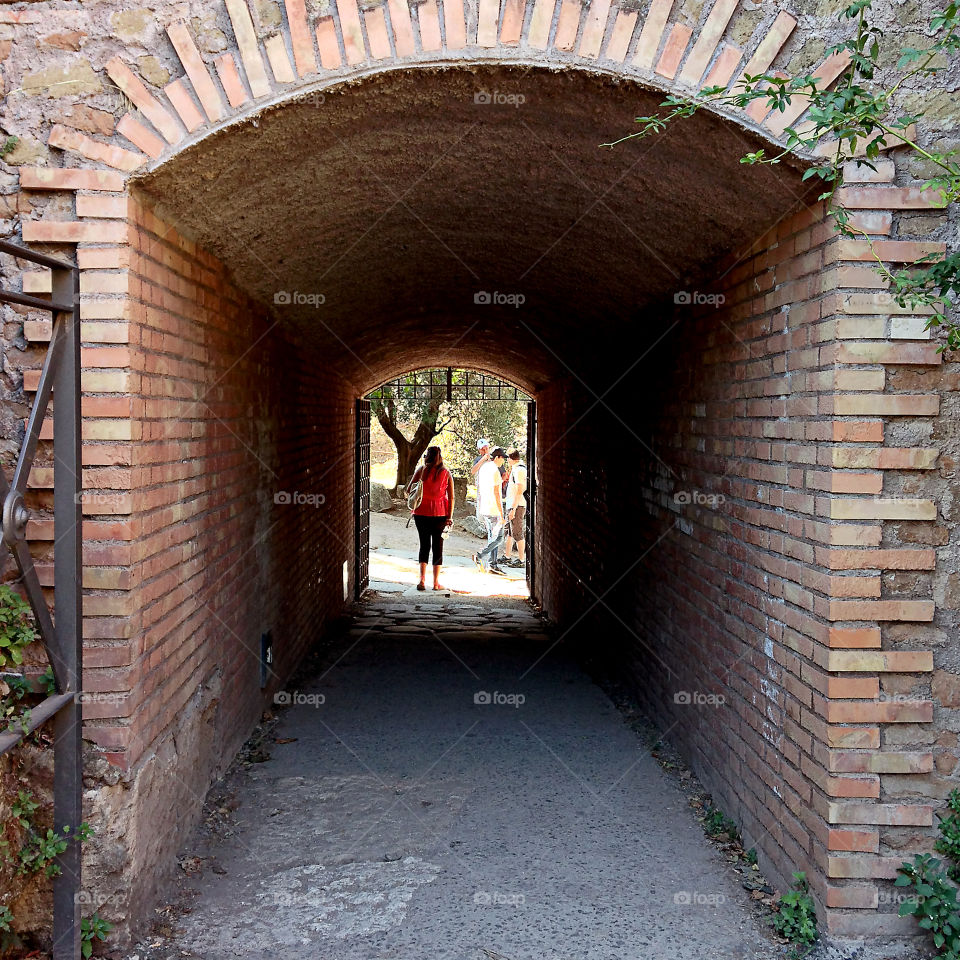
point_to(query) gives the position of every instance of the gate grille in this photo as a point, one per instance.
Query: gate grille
(532, 497)
(362, 530)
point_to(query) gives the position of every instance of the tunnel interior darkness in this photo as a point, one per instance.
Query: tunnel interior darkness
(391, 206)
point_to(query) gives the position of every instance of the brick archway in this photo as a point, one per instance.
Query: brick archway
(668, 50)
(792, 419)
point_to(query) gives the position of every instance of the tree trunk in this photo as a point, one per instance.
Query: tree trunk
(407, 457)
(408, 451)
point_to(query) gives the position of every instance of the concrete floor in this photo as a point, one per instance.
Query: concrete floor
(405, 819)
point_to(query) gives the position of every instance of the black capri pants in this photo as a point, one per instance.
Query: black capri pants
(430, 530)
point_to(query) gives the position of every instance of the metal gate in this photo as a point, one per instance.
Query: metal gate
(362, 529)
(532, 497)
(62, 634)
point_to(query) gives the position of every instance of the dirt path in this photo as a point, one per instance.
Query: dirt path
(394, 569)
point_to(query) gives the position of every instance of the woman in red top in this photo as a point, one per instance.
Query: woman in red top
(434, 513)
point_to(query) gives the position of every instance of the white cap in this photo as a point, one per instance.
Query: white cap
(483, 442)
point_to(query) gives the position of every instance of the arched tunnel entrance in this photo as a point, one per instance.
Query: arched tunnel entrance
(467, 416)
(670, 313)
(650, 298)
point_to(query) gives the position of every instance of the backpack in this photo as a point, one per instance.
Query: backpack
(414, 495)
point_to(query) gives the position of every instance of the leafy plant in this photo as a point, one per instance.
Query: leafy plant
(16, 627)
(13, 688)
(8, 939)
(860, 118)
(948, 843)
(23, 808)
(796, 916)
(9, 145)
(716, 822)
(751, 856)
(48, 682)
(92, 928)
(934, 903)
(39, 848)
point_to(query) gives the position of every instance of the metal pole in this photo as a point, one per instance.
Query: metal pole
(67, 512)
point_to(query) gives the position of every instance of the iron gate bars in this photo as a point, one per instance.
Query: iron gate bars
(62, 634)
(532, 498)
(362, 515)
(447, 384)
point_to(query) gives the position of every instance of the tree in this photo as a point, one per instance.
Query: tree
(421, 398)
(391, 411)
(503, 421)
(861, 117)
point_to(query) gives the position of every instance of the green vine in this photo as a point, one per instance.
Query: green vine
(40, 848)
(862, 120)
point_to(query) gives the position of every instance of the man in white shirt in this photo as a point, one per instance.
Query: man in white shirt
(490, 510)
(516, 512)
(483, 456)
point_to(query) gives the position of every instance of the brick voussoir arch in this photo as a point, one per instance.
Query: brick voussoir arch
(304, 58)
(837, 690)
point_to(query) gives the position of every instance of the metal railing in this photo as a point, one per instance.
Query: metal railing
(62, 633)
(448, 384)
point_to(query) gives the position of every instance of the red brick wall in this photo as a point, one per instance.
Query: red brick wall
(803, 598)
(714, 516)
(221, 419)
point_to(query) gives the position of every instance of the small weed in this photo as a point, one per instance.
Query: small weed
(934, 902)
(92, 928)
(9, 145)
(796, 916)
(751, 856)
(40, 848)
(48, 682)
(8, 939)
(948, 843)
(716, 823)
(16, 626)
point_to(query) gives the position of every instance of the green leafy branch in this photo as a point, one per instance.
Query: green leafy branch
(40, 848)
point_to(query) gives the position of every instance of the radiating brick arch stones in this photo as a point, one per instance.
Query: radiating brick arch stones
(400, 200)
(666, 48)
